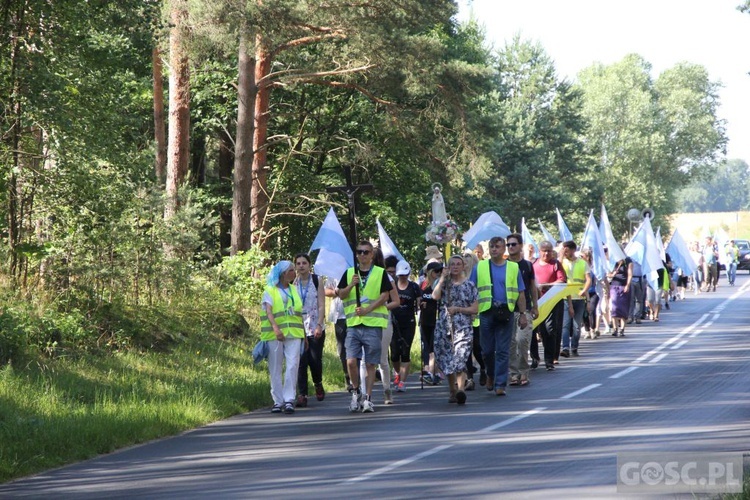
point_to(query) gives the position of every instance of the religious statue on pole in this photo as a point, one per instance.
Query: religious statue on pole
(442, 229)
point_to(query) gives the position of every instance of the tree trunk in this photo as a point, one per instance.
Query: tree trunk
(160, 162)
(14, 221)
(178, 150)
(259, 201)
(242, 181)
(226, 161)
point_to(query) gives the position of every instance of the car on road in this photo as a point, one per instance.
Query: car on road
(744, 247)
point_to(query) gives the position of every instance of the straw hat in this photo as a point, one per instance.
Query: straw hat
(432, 252)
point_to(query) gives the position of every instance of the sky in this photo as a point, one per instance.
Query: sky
(578, 33)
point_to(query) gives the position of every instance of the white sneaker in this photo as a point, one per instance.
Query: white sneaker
(355, 404)
(388, 397)
(367, 406)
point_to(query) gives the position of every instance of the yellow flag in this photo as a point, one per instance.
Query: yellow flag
(555, 294)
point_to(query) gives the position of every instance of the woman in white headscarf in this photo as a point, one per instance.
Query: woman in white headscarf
(281, 325)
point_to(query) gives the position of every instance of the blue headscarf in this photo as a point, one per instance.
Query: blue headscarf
(280, 268)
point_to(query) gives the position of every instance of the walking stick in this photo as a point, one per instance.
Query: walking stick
(421, 353)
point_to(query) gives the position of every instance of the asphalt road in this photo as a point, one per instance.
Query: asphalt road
(680, 385)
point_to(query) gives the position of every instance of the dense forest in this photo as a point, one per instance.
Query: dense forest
(158, 154)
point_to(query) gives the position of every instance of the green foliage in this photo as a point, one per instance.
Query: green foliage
(244, 277)
(649, 138)
(13, 341)
(539, 156)
(730, 178)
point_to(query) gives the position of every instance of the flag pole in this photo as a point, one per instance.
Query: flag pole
(350, 189)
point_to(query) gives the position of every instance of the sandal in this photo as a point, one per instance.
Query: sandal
(514, 381)
(523, 382)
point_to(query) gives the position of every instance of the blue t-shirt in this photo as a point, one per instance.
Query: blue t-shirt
(498, 281)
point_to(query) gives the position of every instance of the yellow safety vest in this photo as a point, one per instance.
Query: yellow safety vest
(289, 320)
(371, 292)
(665, 282)
(484, 284)
(576, 273)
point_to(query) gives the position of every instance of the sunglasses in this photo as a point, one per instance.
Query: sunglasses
(363, 252)
(511, 244)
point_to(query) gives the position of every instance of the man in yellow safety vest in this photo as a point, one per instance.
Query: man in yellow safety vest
(364, 321)
(501, 288)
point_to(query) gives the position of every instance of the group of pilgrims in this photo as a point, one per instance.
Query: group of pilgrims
(483, 310)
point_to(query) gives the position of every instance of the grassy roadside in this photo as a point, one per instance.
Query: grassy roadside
(59, 411)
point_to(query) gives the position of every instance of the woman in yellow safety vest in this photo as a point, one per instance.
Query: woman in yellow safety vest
(281, 326)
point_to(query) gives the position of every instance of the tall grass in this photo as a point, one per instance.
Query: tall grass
(62, 410)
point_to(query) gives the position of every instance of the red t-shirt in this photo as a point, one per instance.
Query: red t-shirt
(549, 273)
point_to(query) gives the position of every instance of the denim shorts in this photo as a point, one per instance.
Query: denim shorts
(367, 337)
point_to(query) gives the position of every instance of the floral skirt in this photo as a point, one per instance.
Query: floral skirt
(452, 356)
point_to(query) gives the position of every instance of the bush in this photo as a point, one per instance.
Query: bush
(12, 339)
(243, 276)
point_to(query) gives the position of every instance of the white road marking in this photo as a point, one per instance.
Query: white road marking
(659, 357)
(512, 420)
(672, 340)
(400, 463)
(624, 372)
(580, 391)
(648, 355)
(677, 346)
(436, 449)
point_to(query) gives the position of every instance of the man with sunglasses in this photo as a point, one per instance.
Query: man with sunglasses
(364, 321)
(501, 293)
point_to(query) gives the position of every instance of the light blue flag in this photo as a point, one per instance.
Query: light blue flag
(488, 224)
(527, 238)
(335, 255)
(643, 250)
(680, 253)
(608, 239)
(487, 231)
(565, 234)
(386, 244)
(483, 220)
(547, 235)
(660, 244)
(592, 240)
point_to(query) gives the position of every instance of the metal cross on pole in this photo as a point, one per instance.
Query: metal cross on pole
(350, 189)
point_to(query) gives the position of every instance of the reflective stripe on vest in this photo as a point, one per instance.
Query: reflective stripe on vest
(371, 292)
(289, 324)
(484, 284)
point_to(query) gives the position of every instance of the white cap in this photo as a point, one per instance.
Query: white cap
(403, 268)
